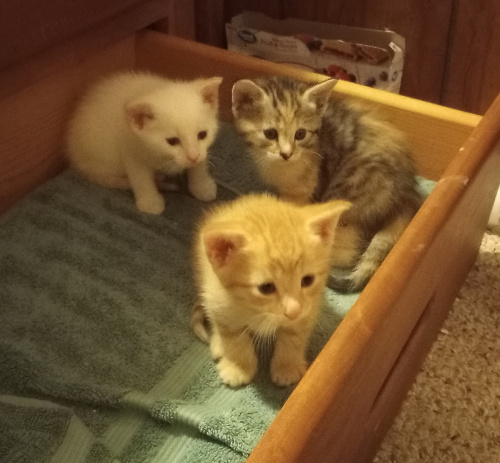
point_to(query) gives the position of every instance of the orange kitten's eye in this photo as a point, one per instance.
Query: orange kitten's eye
(271, 134)
(300, 134)
(267, 288)
(202, 135)
(174, 141)
(307, 280)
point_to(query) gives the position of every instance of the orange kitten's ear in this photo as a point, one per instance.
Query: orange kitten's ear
(246, 98)
(324, 223)
(221, 246)
(319, 94)
(139, 114)
(210, 91)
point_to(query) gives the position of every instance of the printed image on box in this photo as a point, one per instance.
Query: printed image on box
(364, 56)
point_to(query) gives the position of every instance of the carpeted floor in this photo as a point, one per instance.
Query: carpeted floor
(452, 413)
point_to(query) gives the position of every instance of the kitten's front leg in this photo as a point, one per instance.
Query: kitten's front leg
(237, 361)
(289, 364)
(200, 183)
(143, 183)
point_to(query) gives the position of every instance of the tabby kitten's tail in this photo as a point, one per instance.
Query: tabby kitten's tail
(371, 258)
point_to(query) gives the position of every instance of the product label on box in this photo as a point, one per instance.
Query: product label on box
(367, 57)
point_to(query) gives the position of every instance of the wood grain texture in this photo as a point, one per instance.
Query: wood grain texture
(209, 21)
(180, 20)
(70, 52)
(30, 26)
(472, 77)
(272, 9)
(33, 122)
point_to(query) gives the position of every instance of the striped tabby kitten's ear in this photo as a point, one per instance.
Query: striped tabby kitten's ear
(247, 97)
(319, 94)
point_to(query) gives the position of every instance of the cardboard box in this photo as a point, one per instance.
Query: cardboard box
(369, 57)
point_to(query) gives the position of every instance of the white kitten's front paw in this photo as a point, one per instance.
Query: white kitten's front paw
(235, 375)
(203, 189)
(151, 204)
(287, 373)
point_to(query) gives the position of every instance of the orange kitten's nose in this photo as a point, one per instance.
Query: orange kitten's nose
(286, 156)
(292, 307)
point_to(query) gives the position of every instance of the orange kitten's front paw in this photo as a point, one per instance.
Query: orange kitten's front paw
(287, 373)
(151, 205)
(235, 375)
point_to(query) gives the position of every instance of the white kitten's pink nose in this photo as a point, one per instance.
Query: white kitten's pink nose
(193, 156)
(292, 307)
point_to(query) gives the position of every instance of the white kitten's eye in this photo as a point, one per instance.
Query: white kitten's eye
(307, 280)
(202, 135)
(300, 134)
(271, 134)
(173, 141)
(267, 288)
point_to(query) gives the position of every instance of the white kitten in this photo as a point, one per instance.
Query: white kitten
(131, 126)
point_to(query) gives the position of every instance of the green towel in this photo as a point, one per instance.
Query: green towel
(97, 361)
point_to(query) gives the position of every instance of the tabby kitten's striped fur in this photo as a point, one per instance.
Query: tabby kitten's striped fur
(313, 147)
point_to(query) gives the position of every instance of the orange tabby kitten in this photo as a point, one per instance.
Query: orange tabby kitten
(261, 265)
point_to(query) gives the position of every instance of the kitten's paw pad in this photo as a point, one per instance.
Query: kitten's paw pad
(285, 374)
(151, 205)
(234, 375)
(205, 190)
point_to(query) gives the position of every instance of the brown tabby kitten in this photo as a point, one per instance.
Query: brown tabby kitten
(313, 148)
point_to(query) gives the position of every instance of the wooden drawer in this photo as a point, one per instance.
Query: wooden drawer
(342, 408)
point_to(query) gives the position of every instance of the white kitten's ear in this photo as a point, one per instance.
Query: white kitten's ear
(139, 114)
(222, 245)
(319, 94)
(246, 98)
(323, 224)
(210, 91)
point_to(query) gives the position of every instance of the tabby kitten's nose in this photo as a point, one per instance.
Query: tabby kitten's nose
(286, 156)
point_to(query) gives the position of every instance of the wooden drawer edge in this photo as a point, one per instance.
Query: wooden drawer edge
(342, 408)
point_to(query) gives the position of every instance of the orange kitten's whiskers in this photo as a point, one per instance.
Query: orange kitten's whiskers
(265, 344)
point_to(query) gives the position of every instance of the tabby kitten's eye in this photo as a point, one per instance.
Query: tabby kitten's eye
(173, 141)
(300, 134)
(267, 288)
(307, 280)
(271, 134)
(202, 135)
